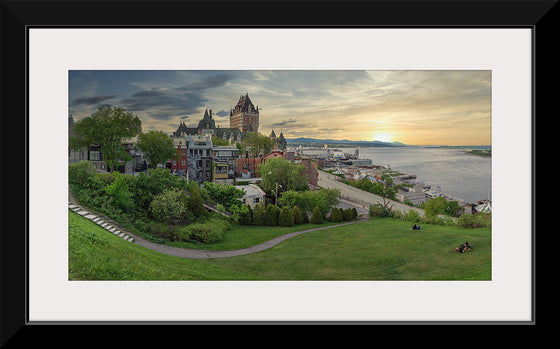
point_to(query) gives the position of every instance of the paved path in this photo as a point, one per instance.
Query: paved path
(189, 253)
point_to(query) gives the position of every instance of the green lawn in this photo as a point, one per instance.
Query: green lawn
(380, 249)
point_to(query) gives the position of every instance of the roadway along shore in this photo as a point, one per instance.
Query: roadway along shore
(327, 180)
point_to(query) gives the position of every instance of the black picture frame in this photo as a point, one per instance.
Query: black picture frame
(18, 17)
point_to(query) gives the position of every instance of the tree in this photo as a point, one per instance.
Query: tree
(196, 204)
(157, 148)
(347, 214)
(225, 194)
(271, 214)
(119, 190)
(107, 128)
(245, 215)
(286, 218)
(256, 143)
(434, 206)
(298, 217)
(336, 215)
(258, 214)
(169, 206)
(282, 175)
(323, 198)
(316, 216)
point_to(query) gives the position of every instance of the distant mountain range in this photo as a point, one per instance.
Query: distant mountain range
(342, 142)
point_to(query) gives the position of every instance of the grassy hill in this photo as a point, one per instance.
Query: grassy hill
(380, 249)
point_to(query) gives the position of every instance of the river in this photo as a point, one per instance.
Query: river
(463, 176)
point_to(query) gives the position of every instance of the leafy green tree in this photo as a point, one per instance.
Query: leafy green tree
(157, 148)
(196, 204)
(225, 194)
(453, 209)
(286, 217)
(379, 210)
(219, 141)
(316, 216)
(257, 144)
(119, 190)
(280, 175)
(107, 128)
(323, 198)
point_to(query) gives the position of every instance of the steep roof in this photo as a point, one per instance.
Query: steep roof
(244, 105)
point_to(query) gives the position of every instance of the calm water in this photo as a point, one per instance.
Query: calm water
(467, 177)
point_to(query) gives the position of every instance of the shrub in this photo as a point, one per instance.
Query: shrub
(354, 213)
(298, 218)
(119, 190)
(286, 217)
(258, 214)
(336, 215)
(316, 216)
(412, 216)
(208, 232)
(196, 204)
(80, 172)
(169, 206)
(245, 215)
(271, 215)
(347, 214)
(304, 216)
(478, 220)
(378, 210)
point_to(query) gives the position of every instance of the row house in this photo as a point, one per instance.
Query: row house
(224, 163)
(181, 165)
(199, 158)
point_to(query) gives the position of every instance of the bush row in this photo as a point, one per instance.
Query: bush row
(478, 220)
(286, 216)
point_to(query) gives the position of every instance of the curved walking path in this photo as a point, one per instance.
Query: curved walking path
(196, 254)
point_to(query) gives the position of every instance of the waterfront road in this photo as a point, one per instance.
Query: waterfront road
(358, 197)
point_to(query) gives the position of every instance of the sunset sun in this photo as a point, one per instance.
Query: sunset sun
(382, 137)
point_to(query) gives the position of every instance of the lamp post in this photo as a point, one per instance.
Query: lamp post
(276, 193)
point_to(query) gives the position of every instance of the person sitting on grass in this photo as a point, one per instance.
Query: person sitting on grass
(463, 247)
(416, 227)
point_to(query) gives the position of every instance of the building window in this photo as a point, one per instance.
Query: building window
(183, 162)
(174, 162)
(256, 200)
(94, 155)
(183, 151)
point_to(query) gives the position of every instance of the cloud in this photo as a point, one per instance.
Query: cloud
(207, 82)
(163, 104)
(222, 113)
(91, 100)
(289, 122)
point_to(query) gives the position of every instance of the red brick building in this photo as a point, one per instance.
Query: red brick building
(181, 146)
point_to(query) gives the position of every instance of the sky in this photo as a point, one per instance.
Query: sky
(416, 107)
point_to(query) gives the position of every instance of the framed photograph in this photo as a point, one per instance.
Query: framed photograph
(423, 74)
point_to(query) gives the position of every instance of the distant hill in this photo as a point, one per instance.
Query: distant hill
(344, 142)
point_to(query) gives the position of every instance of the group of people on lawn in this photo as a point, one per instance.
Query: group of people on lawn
(462, 248)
